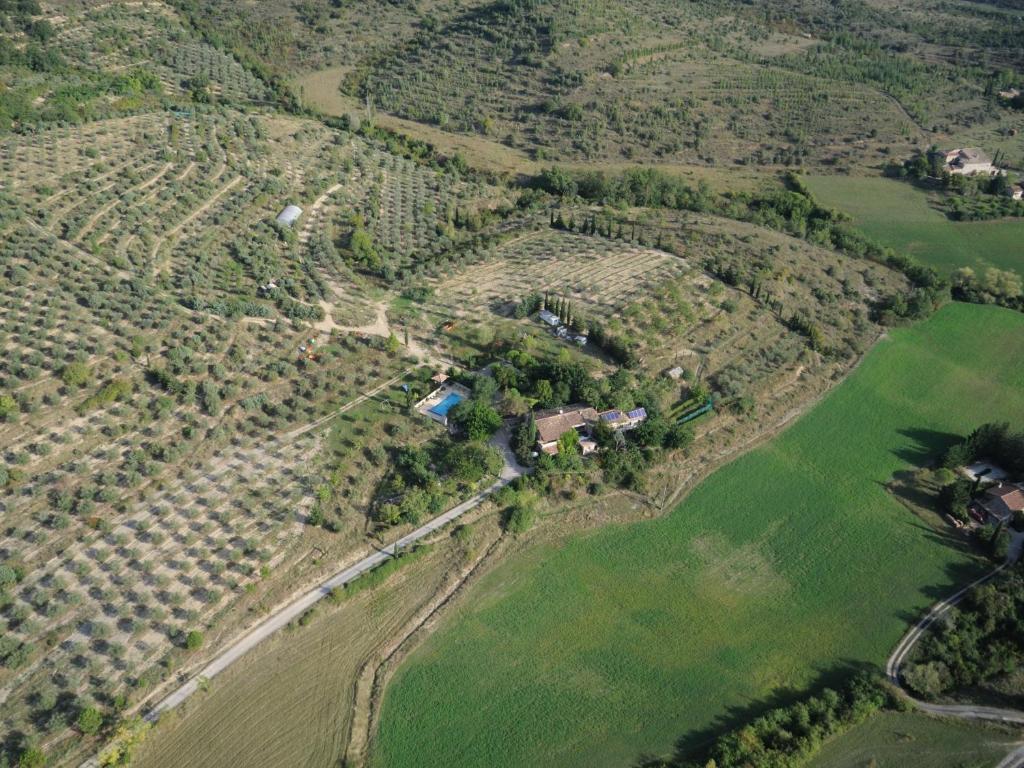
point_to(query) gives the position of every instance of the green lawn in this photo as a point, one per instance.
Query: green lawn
(897, 214)
(914, 740)
(783, 567)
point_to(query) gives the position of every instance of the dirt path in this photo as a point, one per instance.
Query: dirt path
(314, 209)
(379, 326)
(188, 169)
(173, 231)
(346, 407)
(105, 209)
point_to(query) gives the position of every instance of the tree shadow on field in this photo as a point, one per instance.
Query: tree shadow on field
(958, 575)
(904, 486)
(929, 445)
(695, 745)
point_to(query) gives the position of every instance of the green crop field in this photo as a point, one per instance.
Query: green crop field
(778, 572)
(901, 216)
(914, 740)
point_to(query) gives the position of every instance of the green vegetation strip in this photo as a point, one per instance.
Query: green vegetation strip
(381, 573)
(777, 574)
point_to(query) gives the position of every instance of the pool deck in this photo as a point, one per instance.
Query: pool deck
(425, 405)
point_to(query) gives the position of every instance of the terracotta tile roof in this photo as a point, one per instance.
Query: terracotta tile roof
(552, 424)
(1004, 499)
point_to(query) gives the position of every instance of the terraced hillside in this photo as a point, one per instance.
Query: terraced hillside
(224, 316)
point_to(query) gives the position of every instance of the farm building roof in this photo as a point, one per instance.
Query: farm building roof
(549, 317)
(1003, 500)
(552, 424)
(289, 215)
(616, 419)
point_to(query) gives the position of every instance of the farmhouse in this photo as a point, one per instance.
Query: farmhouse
(969, 161)
(622, 422)
(289, 215)
(1001, 501)
(554, 423)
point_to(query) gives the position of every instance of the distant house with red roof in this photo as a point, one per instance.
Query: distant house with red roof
(1002, 501)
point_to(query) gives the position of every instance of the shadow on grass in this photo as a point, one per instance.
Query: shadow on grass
(693, 747)
(958, 575)
(929, 446)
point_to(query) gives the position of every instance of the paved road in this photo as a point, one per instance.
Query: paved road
(963, 711)
(1013, 760)
(282, 616)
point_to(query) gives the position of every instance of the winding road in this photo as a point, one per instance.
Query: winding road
(962, 711)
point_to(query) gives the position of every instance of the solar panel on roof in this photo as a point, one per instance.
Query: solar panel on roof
(610, 415)
(637, 413)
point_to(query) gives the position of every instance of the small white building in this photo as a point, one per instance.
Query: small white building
(550, 318)
(289, 215)
(1015, 192)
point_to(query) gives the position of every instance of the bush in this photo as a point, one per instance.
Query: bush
(76, 374)
(380, 574)
(928, 680)
(90, 720)
(194, 640)
(519, 518)
(954, 498)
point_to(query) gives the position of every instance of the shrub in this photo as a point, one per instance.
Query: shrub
(90, 720)
(519, 518)
(76, 374)
(194, 640)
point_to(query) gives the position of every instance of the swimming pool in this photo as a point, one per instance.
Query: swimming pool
(442, 408)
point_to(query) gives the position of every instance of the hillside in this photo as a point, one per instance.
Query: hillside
(285, 287)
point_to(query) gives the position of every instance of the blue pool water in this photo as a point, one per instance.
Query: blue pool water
(442, 408)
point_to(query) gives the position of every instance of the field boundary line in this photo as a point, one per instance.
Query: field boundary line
(377, 670)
